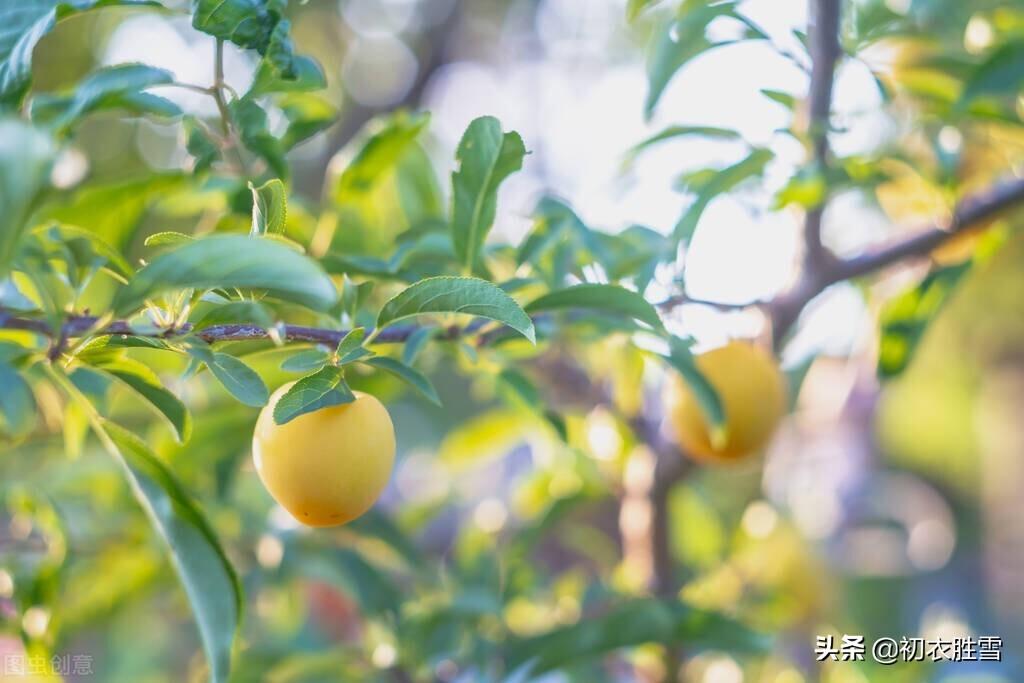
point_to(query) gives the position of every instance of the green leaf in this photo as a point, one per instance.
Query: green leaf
(231, 261)
(684, 131)
(269, 207)
(86, 246)
(415, 343)
(380, 153)
(113, 211)
(307, 115)
(325, 387)
(649, 620)
(678, 41)
(199, 144)
(25, 23)
(236, 312)
(211, 584)
(1001, 74)
(486, 156)
(681, 359)
(469, 295)
(209, 579)
(26, 156)
(635, 7)
(718, 182)
(306, 360)
(599, 297)
(906, 318)
(17, 407)
(407, 374)
(254, 129)
(351, 342)
(112, 87)
(246, 23)
(144, 382)
(239, 379)
(307, 76)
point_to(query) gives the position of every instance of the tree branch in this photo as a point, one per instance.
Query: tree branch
(82, 325)
(825, 52)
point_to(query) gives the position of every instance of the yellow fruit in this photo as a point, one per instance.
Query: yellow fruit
(753, 395)
(329, 466)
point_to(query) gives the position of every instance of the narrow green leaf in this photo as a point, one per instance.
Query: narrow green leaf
(600, 297)
(415, 343)
(113, 87)
(254, 129)
(486, 156)
(239, 379)
(209, 579)
(682, 360)
(677, 42)
(231, 261)
(407, 374)
(17, 407)
(906, 318)
(325, 387)
(210, 582)
(144, 382)
(715, 183)
(673, 132)
(269, 207)
(25, 23)
(469, 295)
(634, 8)
(307, 115)
(26, 156)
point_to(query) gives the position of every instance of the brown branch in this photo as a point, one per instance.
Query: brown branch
(76, 326)
(825, 52)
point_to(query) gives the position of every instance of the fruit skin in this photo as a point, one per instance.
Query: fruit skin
(329, 466)
(753, 395)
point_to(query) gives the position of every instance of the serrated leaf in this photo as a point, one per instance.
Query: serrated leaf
(246, 23)
(231, 261)
(144, 382)
(269, 207)
(25, 22)
(599, 297)
(239, 379)
(324, 388)
(17, 407)
(113, 87)
(486, 156)
(407, 374)
(682, 360)
(26, 156)
(306, 360)
(468, 295)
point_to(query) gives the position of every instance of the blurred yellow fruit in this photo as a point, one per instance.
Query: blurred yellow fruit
(753, 395)
(329, 466)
